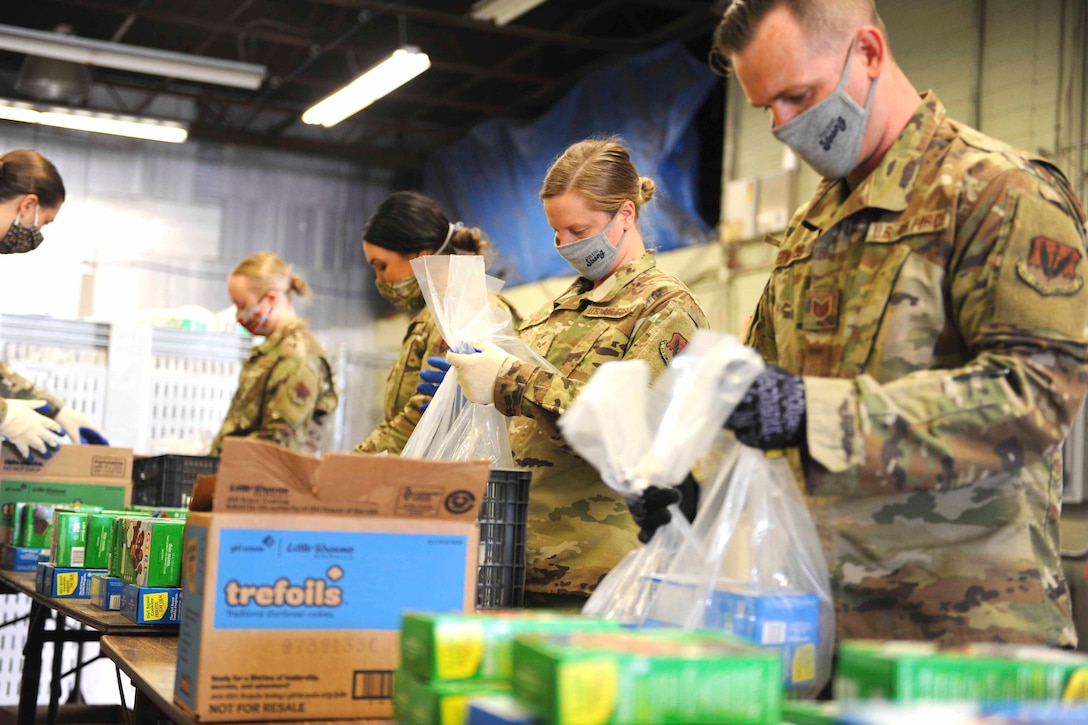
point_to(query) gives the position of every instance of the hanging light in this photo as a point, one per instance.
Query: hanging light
(94, 121)
(392, 73)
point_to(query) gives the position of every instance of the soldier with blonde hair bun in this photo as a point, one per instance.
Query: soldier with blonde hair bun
(621, 306)
(285, 390)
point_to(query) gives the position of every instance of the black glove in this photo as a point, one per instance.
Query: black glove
(651, 510)
(772, 413)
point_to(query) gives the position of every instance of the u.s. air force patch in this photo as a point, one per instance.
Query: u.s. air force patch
(1051, 267)
(671, 348)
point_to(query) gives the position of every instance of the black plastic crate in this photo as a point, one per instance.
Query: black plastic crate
(500, 582)
(168, 480)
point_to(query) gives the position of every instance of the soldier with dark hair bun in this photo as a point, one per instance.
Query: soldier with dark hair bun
(31, 418)
(405, 226)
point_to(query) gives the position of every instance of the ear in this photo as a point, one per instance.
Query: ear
(873, 48)
(27, 204)
(628, 214)
(424, 253)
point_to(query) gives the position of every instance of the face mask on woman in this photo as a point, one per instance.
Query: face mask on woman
(254, 320)
(593, 256)
(21, 239)
(404, 294)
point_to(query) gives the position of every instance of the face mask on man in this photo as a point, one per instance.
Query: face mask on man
(21, 239)
(828, 136)
(255, 321)
(593, 256)
(404, 294)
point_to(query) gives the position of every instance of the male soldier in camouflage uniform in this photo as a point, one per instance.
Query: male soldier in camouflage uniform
(929, 315)
(285, 392)
(579, 528)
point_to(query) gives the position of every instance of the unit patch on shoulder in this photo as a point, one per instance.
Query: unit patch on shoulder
(302, 392)
(671, 348)
(1051, 267)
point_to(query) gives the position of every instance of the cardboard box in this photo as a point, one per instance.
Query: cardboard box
(499, 710)
(151, 605)
(32, 525)
(94, 475)
(419, 702)
(65, 582)
(300, 574)
(153, 551)
(911, 671)
(647, 676)
(106, 592)
(787, 622)
(480, 646)
(97, 552)
(69, 537)
(21, 558)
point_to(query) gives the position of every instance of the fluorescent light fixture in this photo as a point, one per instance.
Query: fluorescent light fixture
(502, 12)
(95, 122)
(131, 58)
(392, 73)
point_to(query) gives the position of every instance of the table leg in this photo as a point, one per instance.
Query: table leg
(58, 668)
(32, 664)
(146, 711)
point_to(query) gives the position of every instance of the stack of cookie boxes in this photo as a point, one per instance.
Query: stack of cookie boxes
(150, 552)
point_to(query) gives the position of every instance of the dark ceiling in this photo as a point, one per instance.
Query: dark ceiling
(312, 47)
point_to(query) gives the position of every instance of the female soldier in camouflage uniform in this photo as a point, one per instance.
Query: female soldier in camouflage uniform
(285, 390)
(409, 225)
(31, 419)
(620, 307)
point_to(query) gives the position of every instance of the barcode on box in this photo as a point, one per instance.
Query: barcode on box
(77, 556)
(115, 601)
(372, 685)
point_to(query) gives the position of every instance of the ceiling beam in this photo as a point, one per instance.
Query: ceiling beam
(361, 153)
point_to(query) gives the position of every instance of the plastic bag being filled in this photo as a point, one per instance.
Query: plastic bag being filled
(752, 565)
(638, 435)
(458, 294)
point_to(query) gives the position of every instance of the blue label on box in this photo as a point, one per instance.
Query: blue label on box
(22, 558)
(788, 622)
(335, 580)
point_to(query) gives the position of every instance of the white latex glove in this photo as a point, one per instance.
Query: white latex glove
(28, 430)
(477, 371)
(80, 428)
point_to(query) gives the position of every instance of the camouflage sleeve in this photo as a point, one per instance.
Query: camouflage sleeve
(529, 390)
(760, 332)
(291, 396)
(1017, 297)
(13, 385)
(402, 402)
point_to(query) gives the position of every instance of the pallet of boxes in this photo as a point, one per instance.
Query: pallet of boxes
(295, 581)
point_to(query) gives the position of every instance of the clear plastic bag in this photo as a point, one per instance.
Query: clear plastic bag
(638, 435)
(753, 565)
(458, 294)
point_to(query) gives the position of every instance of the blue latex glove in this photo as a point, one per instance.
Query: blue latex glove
(432, 378)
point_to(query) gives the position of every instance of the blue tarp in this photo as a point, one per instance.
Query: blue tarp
(491, 178)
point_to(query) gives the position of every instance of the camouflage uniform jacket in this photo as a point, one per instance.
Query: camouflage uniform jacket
(938, 315)
(13, 385)
(578, 527)
(285, 392)
(402, 401)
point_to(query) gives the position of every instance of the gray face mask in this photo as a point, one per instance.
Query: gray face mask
(593, 256)
(828, 136)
